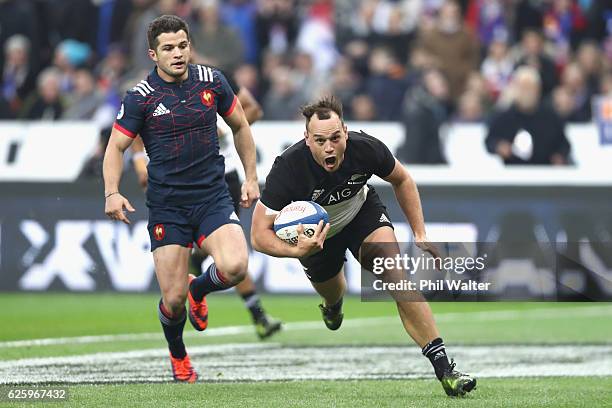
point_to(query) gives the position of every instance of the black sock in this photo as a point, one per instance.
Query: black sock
(335, 308)
(173, 330)
(436, 354)
(252, 302)
(210, 281)
(196, 263)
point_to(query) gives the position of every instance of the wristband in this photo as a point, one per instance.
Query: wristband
(108, 195)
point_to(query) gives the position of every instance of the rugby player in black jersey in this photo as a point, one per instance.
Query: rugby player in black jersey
(331, 167)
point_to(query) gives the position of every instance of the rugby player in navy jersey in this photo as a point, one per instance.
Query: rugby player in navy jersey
(333, 167)
(174, 110)
(265, 325)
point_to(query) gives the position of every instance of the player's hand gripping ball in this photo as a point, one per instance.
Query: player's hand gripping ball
(307, 213)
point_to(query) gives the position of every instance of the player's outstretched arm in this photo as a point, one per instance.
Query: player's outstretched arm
(263, 238)
(245, 146)
(111, 170)
(407, 195)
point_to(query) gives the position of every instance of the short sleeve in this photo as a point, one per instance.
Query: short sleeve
(383, 160)
(227, 99)
(130, 118)
(276, 192)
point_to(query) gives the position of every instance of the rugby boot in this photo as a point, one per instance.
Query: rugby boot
(456, 383)
(266, 326)
(331, 318)
(198, 311)
(182, 370)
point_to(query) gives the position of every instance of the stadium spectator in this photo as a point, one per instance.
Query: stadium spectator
(344, 84)
(470, 108)
(247, 76)
(564, 25)
(605, 86)
(70, 55)
(589, 58)
(276, 25)
(20, 17)
(487, 19)
(562, 103)
(18, 76)
(531, 50)
(528, 15)
(386, 84)
(283, 99)
(316, 37)
(454, 47)
(362, 108)
(388, 23)
(239, 15)
(309, 82)
(574, 82)
(85, 99)
(214, 42)
(529, 132)
(45, 103)
(425, 110)
(112, 69)
(497, 67)
(96, 23)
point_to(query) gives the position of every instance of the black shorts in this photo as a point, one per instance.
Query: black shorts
(327, 263)
(234, 186)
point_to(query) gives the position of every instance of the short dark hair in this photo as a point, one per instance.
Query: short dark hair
(165, 24)
(322, 108)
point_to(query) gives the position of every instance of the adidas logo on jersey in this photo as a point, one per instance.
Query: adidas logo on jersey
(161, 110)
(383, 218)
(317, 193)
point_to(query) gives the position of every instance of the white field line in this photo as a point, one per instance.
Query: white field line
(497, 315)
(274, 362)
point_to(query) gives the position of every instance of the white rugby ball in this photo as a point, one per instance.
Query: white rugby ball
(307, 213)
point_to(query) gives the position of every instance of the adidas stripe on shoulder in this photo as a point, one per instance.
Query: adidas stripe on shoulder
(143, 88)
(205, 74)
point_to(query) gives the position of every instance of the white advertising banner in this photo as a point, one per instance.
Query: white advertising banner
(45, 151)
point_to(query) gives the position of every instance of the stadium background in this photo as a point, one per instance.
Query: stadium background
(65, 65)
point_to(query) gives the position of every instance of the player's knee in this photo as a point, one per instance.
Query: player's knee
(235, 270)
(175, 303)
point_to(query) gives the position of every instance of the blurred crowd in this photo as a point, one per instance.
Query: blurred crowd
(425, 63)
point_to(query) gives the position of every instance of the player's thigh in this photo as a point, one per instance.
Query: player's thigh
(334, 287)
(228, 247)
(327, 263)
(381, 242)
(171, 263)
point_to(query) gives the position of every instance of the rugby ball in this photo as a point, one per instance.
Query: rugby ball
(306, 213)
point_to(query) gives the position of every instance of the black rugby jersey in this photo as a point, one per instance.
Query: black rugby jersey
(178, 125)
(296, 176)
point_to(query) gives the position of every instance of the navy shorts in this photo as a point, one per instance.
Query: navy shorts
(328, 262)
(185, 224)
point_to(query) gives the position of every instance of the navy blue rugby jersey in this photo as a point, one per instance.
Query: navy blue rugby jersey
(178, 125)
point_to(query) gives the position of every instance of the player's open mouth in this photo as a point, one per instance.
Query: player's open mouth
(178, 64)
(330, 162)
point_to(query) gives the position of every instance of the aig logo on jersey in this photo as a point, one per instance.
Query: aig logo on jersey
(208, 97)
(159, 232)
